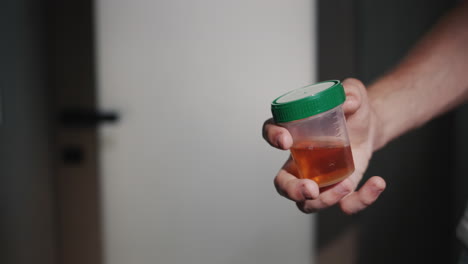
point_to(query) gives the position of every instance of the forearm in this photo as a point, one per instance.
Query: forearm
(430, 81)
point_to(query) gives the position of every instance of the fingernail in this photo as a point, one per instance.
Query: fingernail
(306, 193)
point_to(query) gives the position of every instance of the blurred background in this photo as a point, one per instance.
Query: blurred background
(130, 132)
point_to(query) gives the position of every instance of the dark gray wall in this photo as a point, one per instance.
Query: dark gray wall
(414, 220)
(26, 222)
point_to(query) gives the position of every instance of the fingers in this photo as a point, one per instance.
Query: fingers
(361, 199)
(355, 91)
(306, 193)
(328, 197)
(342, 193)
(279, 137)
(276, 136)
(295, 189)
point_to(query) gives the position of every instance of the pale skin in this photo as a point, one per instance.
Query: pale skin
(431, 80)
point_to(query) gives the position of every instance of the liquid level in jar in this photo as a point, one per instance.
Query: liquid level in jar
(324, 162)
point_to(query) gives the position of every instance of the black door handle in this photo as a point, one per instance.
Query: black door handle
(86, 118)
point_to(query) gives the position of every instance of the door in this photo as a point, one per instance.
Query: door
(27, 208)
(185, 174)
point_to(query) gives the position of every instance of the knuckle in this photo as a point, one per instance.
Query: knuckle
(355, 87)
(346, 186)
(276, 181)
(355, 82)
(266, 128)
(367, 201)
(278, 187)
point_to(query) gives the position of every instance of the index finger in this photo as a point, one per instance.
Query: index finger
(293, 188)
(276, 136)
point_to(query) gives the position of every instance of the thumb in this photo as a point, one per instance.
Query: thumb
(355, 91)
(359, 200)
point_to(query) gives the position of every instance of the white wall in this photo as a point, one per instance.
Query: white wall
(186, 176)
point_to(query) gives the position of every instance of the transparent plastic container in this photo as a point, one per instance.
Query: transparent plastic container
(314, 117)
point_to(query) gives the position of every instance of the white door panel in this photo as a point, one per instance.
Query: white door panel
(186, 176)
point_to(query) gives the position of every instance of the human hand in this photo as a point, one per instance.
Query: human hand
(363, 130)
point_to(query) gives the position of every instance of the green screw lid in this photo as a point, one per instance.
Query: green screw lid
(307, 101)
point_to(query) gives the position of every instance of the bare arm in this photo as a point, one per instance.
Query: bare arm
(431, 80)
(427, 83)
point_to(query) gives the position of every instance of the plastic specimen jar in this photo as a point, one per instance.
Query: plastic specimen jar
(314, 117)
